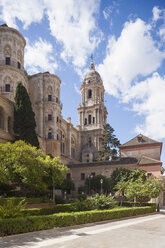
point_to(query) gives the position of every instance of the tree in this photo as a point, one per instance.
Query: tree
(109, 144)
(150, 188)
(29, 167)
(24, 121)
(119, 174)
(67, 185)
(121, 186)
(95, 184)
(162, 170)
(22, 164)
(56, 172)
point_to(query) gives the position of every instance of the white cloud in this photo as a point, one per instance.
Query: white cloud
(107, 12)
(25, 11)
(148, 100)
(39, 57)
(156, 13)
(162, 32)
(72, 23)
(133, 54)
(77, 89)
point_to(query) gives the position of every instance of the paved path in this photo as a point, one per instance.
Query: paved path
(140, 232)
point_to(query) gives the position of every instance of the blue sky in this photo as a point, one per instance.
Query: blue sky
(127, 40)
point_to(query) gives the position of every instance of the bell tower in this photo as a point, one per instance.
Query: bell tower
(92, 114)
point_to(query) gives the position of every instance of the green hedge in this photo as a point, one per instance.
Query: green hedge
(136, 204)
(49, 210)
(62, 208)
(3, 201)
(36, 223)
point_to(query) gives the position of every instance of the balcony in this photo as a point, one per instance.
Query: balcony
(3, 89)
(13, 64)
(49, 137)
(53, 99)
(48, 119)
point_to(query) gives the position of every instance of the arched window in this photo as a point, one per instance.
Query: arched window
(89, 119)
(19, 58)
(89, 93)
(9, 124)
(7, 54)
(1, 118)
(50, 135)
(7, 84)
(89, 141)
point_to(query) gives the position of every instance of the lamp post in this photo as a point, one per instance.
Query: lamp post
(90, 177)
(101, 182)
(64, 195)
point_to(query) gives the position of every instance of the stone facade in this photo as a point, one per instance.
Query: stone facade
(56, 136)
(77, 146)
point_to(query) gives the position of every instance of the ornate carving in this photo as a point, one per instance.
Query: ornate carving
(7, 51)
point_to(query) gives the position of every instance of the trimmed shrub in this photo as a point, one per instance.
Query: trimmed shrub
(16, 200)
(36, 223)
(49, 210)
(139, 204)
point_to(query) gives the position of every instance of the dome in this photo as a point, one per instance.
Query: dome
(92, 75)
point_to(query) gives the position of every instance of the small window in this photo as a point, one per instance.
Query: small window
(49, 98)
(8, 61)
(49, 135)
(85, 121)
(93, 174)
(7, 87)
(89, 119)
(73, 152)
(93, 120)
(18, 65)
(82, 176)
(62, 148)
(57, 136)
(87, 160)
(49, 117)
(89, 93)
(57, 118)
(56, 99)
(149, 174)
(9, 124)
(87, 155)
(90, 141)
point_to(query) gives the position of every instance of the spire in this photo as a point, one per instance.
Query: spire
(92, 67)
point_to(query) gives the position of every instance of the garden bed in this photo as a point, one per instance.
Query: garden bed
(43, 222)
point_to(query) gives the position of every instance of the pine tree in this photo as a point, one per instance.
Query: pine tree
(24, 121)
(108, 144)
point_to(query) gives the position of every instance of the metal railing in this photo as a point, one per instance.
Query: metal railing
(13, 64)
(54, 100)
(4, 90)
(49, 119)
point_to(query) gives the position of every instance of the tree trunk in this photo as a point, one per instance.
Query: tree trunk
(134, 200)
(53, 193)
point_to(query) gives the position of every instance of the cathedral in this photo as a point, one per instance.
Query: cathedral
(77, 146)
(56, 136)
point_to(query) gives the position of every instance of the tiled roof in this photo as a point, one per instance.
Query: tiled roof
(147, 160)
(140, 140)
